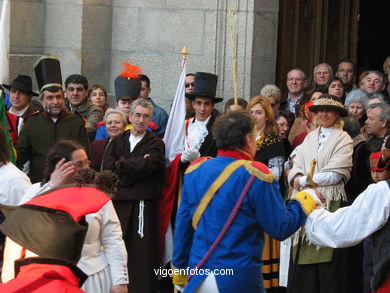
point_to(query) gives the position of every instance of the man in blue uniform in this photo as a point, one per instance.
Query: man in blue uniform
(211, 189)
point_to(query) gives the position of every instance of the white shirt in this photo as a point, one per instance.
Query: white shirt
(350, 225)
(134, 140)
(13, 184)
(197, 132)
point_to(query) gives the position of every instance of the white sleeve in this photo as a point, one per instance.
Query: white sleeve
(17, 188)
(113, 244)
(323, 178)
(350, 225)
(34, 190)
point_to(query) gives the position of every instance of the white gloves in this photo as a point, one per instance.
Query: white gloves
(190, 155)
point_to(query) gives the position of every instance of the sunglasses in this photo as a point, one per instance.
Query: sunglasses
(188, 84)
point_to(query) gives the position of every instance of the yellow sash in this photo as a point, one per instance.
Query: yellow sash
(213, 189)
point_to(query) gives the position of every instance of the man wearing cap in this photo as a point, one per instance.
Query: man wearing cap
(76, 101)
(137, 157)
(46, 236)
(199, 139)
(42, 130)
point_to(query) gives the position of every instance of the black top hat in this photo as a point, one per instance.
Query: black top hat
(329, 102)
(205, 87)
(126, 89)
(48, 73)
(22, 82)
(52, 225)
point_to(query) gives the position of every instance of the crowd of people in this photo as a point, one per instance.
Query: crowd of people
(235, 197)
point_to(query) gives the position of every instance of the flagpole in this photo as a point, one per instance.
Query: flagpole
(234, 57)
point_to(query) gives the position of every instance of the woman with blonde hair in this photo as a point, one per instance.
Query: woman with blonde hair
(272, 93)
(269, 151)
(323, 162)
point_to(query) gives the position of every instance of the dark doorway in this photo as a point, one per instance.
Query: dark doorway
(374, 40)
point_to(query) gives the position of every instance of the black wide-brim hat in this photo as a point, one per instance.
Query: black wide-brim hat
(22, 82)
(329, 102)
(205, 86)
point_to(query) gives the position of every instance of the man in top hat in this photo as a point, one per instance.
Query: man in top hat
(76, 101)
(20, 92)
(199, 139)
(42, 130)
(127, 90)
(46, 236)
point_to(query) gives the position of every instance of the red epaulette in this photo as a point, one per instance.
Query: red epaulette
(152, 125)
(260, 170)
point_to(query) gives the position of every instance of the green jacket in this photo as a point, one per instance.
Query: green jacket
(40, 133)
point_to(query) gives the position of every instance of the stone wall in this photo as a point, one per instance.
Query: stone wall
(93, 37)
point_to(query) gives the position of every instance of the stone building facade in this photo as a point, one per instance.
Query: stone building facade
(93, 37)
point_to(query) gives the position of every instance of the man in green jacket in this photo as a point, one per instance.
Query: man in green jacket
(41, 131)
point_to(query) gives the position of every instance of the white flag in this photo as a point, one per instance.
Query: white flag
(175, 131)
(4, 29)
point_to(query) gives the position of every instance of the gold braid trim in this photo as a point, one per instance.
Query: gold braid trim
(259, 174)
(215, 186)
(196, 165)
(328, 102)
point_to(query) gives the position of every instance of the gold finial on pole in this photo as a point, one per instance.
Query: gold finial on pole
(184, 52)
(234, 57)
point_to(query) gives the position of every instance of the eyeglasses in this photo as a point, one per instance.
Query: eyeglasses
(188, 84)
(139, 115)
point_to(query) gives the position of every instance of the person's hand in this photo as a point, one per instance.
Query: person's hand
(296, 183)
(119, 289)
(385, 151)
(190, 155)
(62, 174)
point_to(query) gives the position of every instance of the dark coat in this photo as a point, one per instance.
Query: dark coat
(140, 177)
(284, 106)
(360, 173)
(40, 133)
(91, 113)
(98, 148)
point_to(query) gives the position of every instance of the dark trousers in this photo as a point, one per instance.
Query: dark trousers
(330, 277)
(142, 252)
